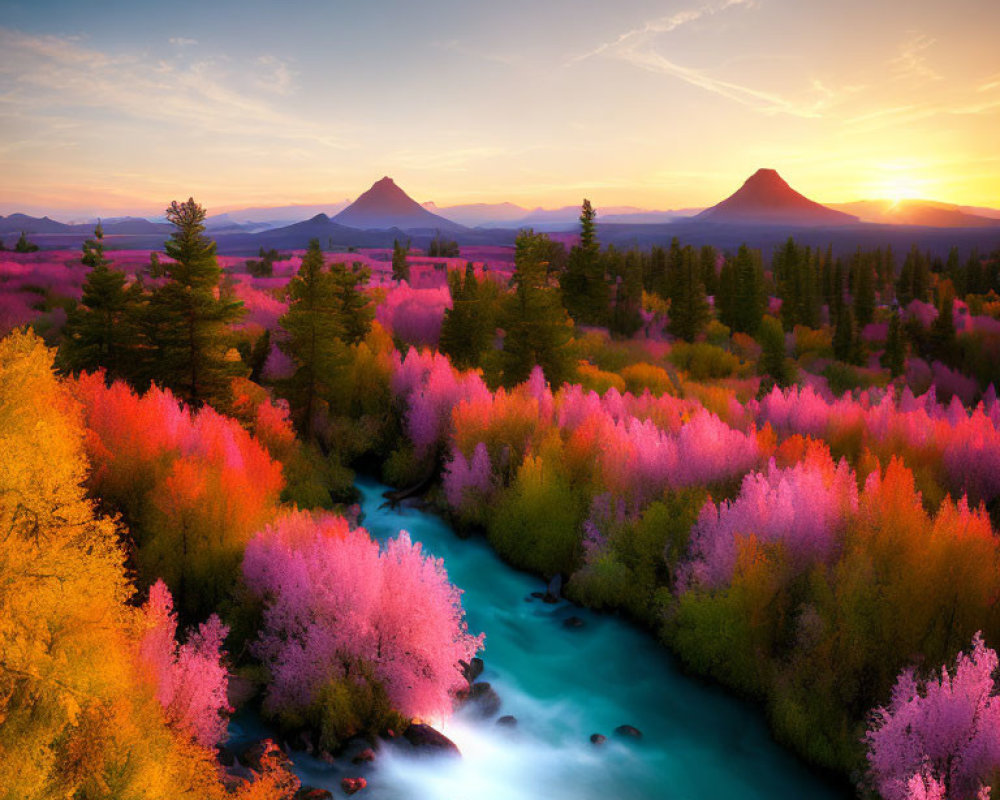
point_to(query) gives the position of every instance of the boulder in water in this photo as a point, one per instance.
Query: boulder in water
(473, 669)
(364, 756)
(420, 735)
(507, 721)
(628, 731)
(598, 738)
(485, 698)
(353, 785)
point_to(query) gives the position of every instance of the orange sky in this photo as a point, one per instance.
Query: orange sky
(653, 104)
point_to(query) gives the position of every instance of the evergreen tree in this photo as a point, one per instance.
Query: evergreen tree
(689, 311)
(742, 298)
(584, 284)
(156, 269)
(470, 324)
(443, 248)
(844, 334)
(626, 316)
(537, 330)
(98, 331)
(773, 362)
(190, 314)
(356, 308)
(863, 290)
(942, 339)
(400, 267)
(707, 259)
(24, 246)
(655, 279)
(894, 357)
(314, 325)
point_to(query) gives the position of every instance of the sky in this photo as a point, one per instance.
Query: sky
(122, 106)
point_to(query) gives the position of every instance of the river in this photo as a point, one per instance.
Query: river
(563, 684)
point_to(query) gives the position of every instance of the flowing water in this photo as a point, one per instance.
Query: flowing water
(563, 684)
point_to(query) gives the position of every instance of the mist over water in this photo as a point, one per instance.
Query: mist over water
(563, 684)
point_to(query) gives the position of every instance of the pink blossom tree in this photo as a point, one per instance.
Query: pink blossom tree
(189, 680)
(337, 606)
(939, 738)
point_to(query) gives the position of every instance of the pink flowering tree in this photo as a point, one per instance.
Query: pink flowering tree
(339, 608)
(189, 680)
(939, 738)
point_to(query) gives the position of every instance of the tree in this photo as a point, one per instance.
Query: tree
(98, 332)
(315, 326)
(341, 612)
(941, 734)
(536, 327)
(894, 357)
(356, 308)
(584, 284)
(689, 311)
(863, 289)
(844, 334)
(942, 336)
(189, 314)
(773, 358)
(469, 326)
(400, 267)
(24, 246)
(442, 248)
(626, 317)
(741, 298)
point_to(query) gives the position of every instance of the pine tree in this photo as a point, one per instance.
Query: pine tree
(741, 298)
(844, 334)
(584, 283)
(689, 311)
(894, 357)
(470, 324)
(315, 327)
(707, 258)
(773, 362)
(537, 330)
(863, 289)
(400, 267)
(942, 337)
(356, 308)
(24, 246)
(626, 317)
(98, 331)
(190, 314)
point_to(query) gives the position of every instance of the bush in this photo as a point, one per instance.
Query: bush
(703, 361)
(640, 377)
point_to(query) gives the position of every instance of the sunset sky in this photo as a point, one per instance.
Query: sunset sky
(119, 107)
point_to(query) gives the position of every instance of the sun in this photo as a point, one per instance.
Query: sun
(900, 189)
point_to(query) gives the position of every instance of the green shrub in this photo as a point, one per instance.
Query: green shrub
(703, 361)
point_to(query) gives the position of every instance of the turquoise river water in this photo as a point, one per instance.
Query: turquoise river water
(563, 684)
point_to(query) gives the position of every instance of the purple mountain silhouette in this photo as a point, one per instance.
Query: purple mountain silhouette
(385, 206)
(765, 199)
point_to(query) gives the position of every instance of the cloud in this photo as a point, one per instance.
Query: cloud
(911, 62)
(48, 78)
(636, 47)
(180, 41)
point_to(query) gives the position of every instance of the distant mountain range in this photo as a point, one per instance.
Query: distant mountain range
(763, 212)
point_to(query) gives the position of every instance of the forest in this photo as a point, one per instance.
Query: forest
(783, 465)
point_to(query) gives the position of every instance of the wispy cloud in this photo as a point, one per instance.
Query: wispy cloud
(638, 47)
(180, 41)
(911, 62)
(49, 77)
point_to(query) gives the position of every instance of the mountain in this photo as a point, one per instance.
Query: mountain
(386, 206)
(18, 223)
(261, 217)
(928, 213)
(765, 199)
(475, 215)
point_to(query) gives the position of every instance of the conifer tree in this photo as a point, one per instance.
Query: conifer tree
(584, 284)
(470, 324)
(537, 330)
(626, 318)
(400, 267)
(689, 311)
(942, 336)
(356, 308)
(24, 246)
(863, 289)
(315, 327)
(741, 298)
(773, 363)
(98, 331)
(190, 314)
(844, 334)
(894, 357)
